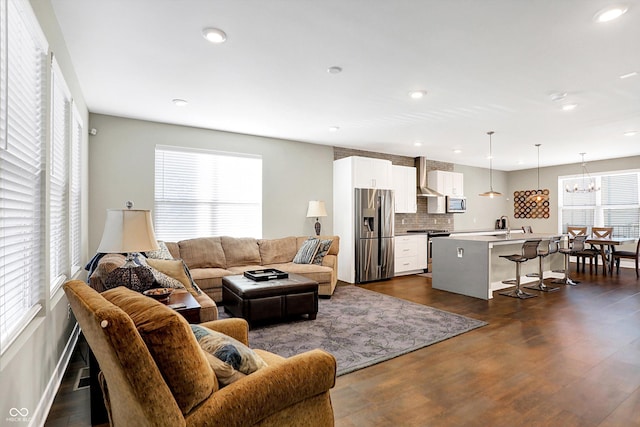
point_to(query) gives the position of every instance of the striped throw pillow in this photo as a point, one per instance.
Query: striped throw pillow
(307, 251)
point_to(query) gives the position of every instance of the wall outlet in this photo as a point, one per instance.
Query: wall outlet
(460, 252)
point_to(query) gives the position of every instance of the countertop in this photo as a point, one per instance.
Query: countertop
(502, 238)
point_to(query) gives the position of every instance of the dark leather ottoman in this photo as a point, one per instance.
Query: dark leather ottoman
(270, 299)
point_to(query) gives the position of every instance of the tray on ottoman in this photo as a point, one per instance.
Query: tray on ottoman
(265, 274)
(270, 299)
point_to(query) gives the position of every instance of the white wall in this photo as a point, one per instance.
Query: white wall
(31, 367)
(481, 211)
(121, 165)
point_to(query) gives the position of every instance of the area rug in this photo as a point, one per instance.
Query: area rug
(362, 328)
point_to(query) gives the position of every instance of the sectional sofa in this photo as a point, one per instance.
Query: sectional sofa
(209, 259)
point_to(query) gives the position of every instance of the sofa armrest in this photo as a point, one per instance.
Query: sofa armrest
(269, 390)
(235, 328)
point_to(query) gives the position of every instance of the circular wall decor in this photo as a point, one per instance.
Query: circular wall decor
(523, 208)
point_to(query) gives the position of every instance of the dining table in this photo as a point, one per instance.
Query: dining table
(610, 243)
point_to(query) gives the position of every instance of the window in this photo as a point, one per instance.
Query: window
(22, 124)
(616, 205)
(59, 263)
(202, 193)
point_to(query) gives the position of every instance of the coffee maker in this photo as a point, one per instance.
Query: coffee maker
(501, 223)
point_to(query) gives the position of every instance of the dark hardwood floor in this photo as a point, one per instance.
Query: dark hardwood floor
(568, 358)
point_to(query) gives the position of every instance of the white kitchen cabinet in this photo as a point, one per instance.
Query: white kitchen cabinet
(410, 254)
(404, 189)
(447, 183)
(371, 173)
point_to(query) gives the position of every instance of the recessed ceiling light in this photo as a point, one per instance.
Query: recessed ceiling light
(631, 74)
(610, 13)
(631, 133)
(180, 102)
(417, 94)
(457, 151)
(334, 129)
(558, 96)
(417, 144)
(334, 70)
(569, 107)
(214, 35)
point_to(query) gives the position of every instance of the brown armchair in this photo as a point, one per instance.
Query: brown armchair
(154, 373)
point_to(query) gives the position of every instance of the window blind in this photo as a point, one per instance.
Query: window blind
(75, 187)
(616, 205)
(202, 193)
(21, 164)
(59, 263)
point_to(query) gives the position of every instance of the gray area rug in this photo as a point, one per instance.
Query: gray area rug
(361, 328)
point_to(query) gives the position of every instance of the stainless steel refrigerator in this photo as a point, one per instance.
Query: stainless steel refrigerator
(373, 234)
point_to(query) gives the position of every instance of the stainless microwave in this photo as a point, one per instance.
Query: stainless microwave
(456, 204)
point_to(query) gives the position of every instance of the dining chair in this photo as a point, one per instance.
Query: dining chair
(599, 250)
(583, 254)
(618, 255)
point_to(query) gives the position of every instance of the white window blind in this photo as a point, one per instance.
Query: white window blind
(201, 193)
(22, 122)
(59, 262)
(75, 187)
(616, 204)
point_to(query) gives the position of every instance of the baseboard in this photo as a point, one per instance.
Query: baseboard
(39, 416)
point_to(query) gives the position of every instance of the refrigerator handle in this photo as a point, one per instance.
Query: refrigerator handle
(379, 229)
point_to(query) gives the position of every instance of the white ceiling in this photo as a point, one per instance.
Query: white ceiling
(486, 64)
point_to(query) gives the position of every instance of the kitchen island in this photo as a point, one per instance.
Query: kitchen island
(471, 265)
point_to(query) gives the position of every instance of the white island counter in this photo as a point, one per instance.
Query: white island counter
(471, 265)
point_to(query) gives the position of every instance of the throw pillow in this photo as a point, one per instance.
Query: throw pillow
(307, 251)
(162, 253)
(176, 269)
(137, 278)
(323, 248)
(237, 356)
(161, 280)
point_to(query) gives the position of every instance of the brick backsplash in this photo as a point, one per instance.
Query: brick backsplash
(421, 219)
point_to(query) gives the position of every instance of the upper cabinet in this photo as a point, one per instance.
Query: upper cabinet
(371, 173)
(447, 183)
(404, 187)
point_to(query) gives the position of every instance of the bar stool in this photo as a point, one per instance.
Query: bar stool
(576, 248)
(529, 251)
(552, 247)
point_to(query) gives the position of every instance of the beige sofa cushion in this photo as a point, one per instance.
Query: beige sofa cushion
(273, 251)
(172, 345)
(205, 252)
(240, 251)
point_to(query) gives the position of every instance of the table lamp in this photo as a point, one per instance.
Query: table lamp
(129, 231)
(316, 209)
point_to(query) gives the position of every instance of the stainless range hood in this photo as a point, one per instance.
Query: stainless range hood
(423, 189)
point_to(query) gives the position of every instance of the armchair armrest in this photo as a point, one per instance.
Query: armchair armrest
(269, 390)
(235, 328)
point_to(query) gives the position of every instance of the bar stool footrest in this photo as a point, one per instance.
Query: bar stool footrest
(518, 293)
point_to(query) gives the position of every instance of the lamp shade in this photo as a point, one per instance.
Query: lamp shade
(316, 209)
(128, 230)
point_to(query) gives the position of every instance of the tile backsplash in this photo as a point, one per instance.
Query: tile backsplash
(406, 221)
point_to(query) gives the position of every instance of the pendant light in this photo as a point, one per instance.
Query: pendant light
(490, 193)
(538, 196)
(586, 188)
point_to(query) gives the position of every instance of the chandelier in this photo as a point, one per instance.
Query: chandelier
(588, 183)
